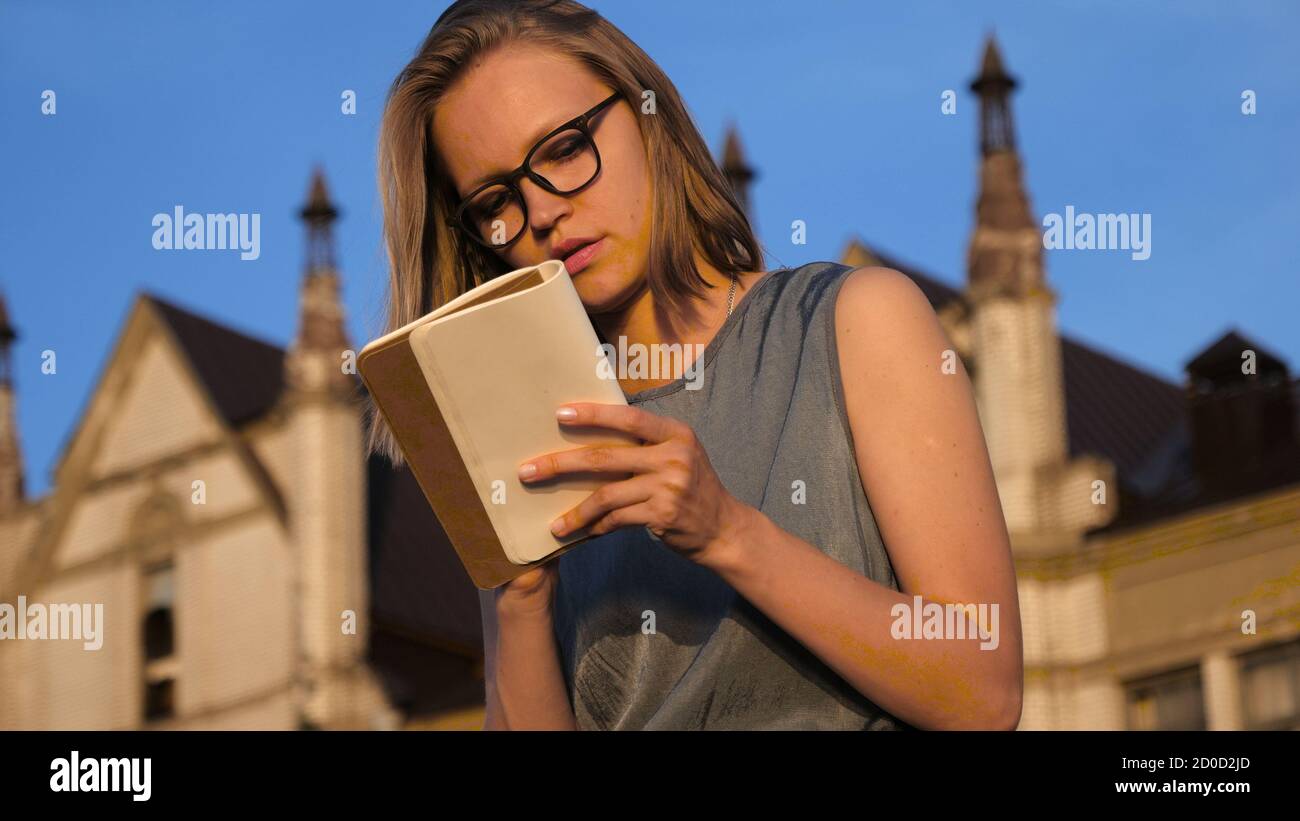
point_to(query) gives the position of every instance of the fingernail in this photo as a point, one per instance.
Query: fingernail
(526, 470)
(557, 526)
(566, 413)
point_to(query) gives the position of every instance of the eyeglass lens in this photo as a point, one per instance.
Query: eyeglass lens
(567, 161)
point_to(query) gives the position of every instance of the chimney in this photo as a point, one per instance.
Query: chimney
(1241, 407)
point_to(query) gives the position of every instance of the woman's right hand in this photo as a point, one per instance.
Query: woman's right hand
(531, 593)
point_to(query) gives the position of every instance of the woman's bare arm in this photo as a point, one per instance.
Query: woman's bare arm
(925, 468)
(492, 717)
(524, 686)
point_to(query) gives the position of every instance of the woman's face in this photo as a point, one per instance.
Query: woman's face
(489, 119)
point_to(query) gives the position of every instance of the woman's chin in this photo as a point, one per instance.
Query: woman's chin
(603, 287)
(597, 293)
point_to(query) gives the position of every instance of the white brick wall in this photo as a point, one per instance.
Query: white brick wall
(160, 415)
(226, 484)
(60, 685)
(99, 522)
(234, 617)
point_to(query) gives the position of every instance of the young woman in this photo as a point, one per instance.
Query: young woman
(739, 578)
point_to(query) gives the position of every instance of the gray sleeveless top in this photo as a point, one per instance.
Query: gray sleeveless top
(770, 413)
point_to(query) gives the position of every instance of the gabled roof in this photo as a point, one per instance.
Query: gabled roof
(147, 332)
(426, 625)
(244, 375)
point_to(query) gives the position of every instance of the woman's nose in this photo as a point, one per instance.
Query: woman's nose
(544, 208)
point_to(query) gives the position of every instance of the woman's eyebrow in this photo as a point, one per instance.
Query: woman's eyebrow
(532, 141)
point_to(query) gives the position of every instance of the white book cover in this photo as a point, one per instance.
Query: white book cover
(499, 360)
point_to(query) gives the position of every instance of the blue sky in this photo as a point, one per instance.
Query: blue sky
(1123, 107)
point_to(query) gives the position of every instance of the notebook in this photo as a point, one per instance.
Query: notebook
(470, 391)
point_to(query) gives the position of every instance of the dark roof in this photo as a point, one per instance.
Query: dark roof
(1168, 482)
(244, 375)
(1113, 409)
(1223, 358)
(426, 632)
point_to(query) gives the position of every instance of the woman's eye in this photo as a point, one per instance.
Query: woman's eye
(491, 206)
(567, 150)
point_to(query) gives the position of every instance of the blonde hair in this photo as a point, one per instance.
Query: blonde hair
(431, 263)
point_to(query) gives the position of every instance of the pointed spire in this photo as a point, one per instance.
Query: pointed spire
(319, 215)
(992, 72)
(734, 167)
(994, 86)
(1005, 255)
(11, 460)
(733, 156)
(316, 356)
(7, 337)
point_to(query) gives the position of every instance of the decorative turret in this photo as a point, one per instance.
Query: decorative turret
(1047, 497)
(1006, 250)
(326, 500)
(11, 460)
(315, 360)
(737, 171)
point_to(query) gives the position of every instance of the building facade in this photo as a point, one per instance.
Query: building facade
(216, 500)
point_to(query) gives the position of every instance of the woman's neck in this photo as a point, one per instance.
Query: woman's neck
(643, 322)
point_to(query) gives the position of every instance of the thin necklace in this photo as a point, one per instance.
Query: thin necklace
(731, 294)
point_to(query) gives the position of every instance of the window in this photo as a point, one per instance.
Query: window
(1270, 687)
(158, 633)
(1171, 701)
(158, 637)
(159, 699)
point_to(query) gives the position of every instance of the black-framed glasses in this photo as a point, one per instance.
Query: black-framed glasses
(563, 162)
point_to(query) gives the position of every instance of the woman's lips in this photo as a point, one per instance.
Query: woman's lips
(582, 257)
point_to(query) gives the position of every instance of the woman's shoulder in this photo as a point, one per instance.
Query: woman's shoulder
(816, 302)
(810, 292)
(833, 282)
(825, 278)
(837, 305)
(811, 277)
